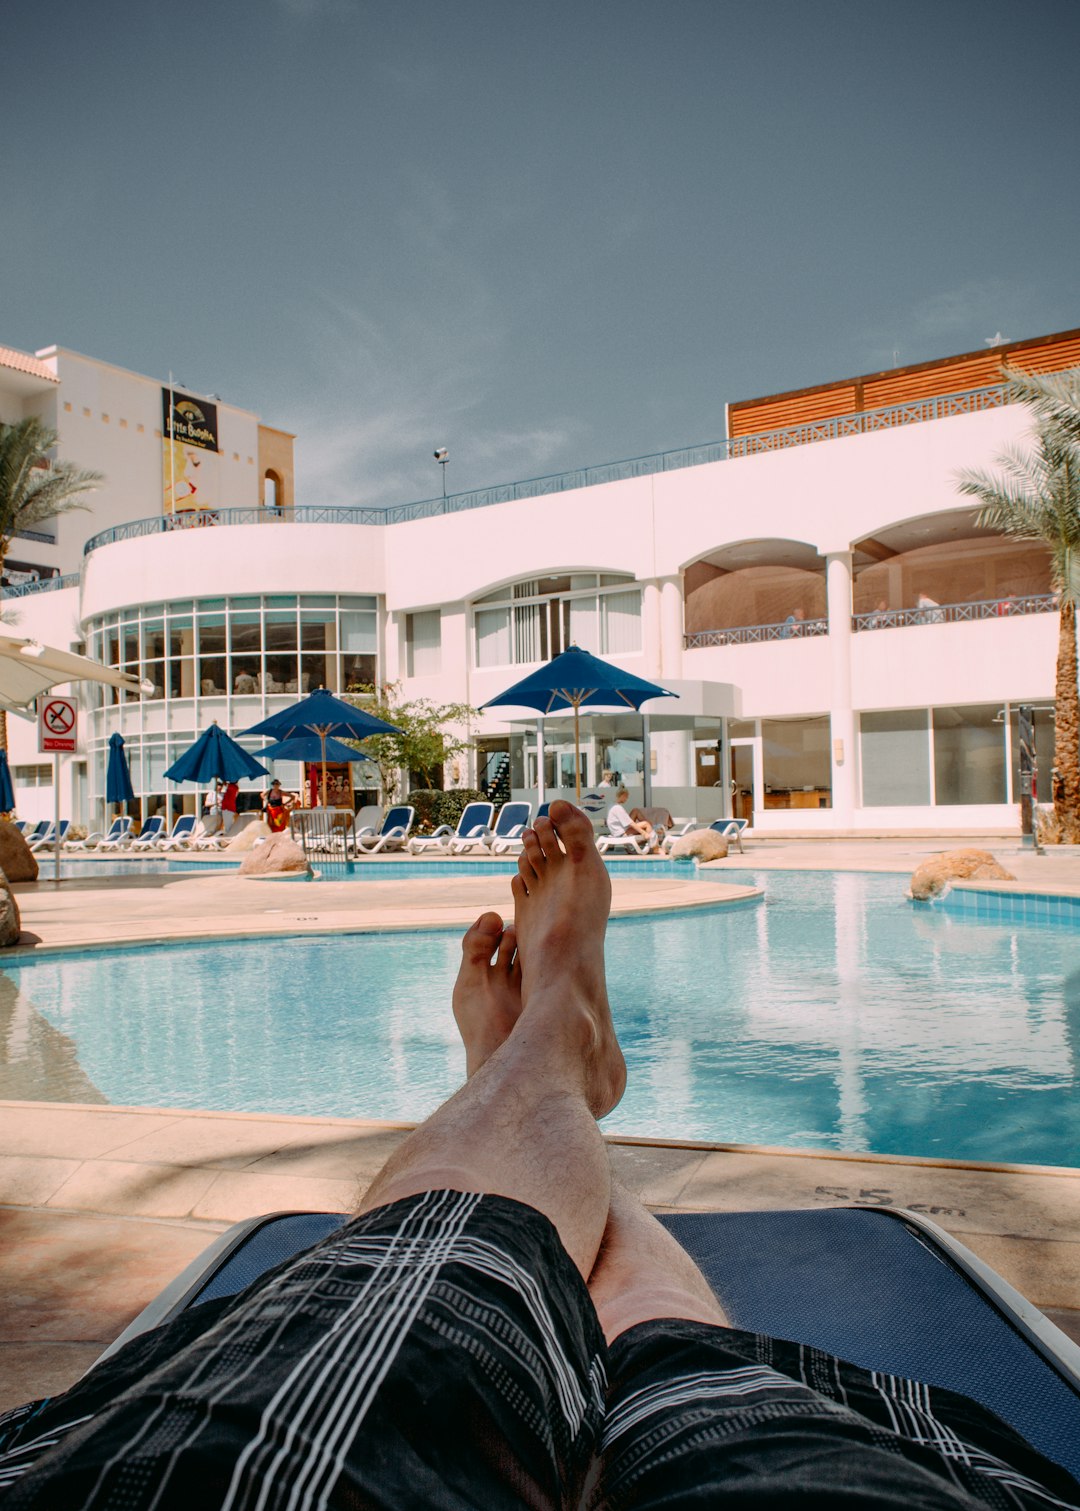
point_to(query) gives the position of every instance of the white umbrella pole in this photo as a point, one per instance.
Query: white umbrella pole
(577, 757)
(539, 762)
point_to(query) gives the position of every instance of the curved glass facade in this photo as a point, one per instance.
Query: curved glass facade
(233, 660)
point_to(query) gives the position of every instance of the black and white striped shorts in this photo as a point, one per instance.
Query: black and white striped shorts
(443, 1352)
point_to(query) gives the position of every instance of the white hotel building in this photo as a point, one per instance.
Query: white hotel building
(848, 648)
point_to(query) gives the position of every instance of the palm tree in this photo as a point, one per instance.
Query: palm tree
(34, 489)
(1053, 396)
(1038, 498)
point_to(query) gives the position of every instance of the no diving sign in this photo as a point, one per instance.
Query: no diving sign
(57, 729)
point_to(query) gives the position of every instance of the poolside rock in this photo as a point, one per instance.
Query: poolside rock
(247, 834)
(17, 861)
(10, 922)
(703, 844)
(956, 865)
(279, 853)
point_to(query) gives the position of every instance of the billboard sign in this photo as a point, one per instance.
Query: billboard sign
(189, 444)
(57, 724)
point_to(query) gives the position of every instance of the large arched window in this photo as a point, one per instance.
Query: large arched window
(535, 619)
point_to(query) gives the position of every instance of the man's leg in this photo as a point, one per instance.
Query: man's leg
(524, 1125)
(441, 1350)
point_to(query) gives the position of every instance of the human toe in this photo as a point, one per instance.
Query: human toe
(573, 827)
(481, 940)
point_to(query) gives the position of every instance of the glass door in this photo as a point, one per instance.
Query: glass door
(745, 777)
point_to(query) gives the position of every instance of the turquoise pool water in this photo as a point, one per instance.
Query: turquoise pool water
(835, 1014)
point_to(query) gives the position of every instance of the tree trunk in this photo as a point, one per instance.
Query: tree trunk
(1067, 729)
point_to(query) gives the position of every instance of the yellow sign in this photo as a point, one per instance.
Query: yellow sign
(189, 453)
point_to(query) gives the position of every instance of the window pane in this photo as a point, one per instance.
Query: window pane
(358, 672)
(212, 636)
(493, 637)
(583, 628)
(969, 755)
(622, 622)
(895, 748)
(798, 773)
(423, 643)
(359, 632)
(527, 636)
(1044, 753)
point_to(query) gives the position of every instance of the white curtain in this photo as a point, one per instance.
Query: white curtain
(584, 629)
(622, 622)
(492, 637)
(527, 632)
(425, 644)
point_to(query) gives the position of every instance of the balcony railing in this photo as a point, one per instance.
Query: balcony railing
(832, 429)
(1009, 607)
(754, 634)
(42, 585)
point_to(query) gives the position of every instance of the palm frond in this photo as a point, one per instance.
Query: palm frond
(1053, 396)
(33, 488)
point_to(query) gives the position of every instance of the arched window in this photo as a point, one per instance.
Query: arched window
(536, 619)
(272, 493)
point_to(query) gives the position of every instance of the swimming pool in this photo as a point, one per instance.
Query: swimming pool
(833, 1015)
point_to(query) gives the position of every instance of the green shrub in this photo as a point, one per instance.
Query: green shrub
(435, 808)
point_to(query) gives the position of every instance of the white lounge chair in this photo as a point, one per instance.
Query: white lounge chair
(180, 835)
(394, 834)
(151, 833)
(510, 822)
(513, 844)
(119, 836)
(474, 821)
(97, 839)
(633, 844)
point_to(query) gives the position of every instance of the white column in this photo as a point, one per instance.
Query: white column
(842, 719)
(650, 628)
(394, 631)
(671, 627)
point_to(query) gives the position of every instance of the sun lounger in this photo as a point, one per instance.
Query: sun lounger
(119, 836)
(180, 835)
(394, 833)
(634, 844)
(474, 821)
(51, 838)
(512, 845)
(98, 840)
(510, 823)
(880, 1286)
(34, 836)
(150, 835)
(731, 829)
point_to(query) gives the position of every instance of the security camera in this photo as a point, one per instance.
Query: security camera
(441, 454)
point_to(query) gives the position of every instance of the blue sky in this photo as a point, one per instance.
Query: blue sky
(544, 234)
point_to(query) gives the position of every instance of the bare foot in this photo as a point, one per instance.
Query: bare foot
(562, 896)
(487, 992)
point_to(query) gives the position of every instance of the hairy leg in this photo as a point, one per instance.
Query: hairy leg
(524, 1124)
(642, 1273)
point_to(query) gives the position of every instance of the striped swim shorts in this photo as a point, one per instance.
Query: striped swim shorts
(443, 1352)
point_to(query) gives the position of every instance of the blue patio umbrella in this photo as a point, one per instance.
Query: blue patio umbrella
(577, 679)
(118, 788)
(215, 756)
(311, 748)
(326, 717)
(7, 791)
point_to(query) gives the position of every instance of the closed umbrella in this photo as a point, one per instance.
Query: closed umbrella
(326, 717)
(7, 791)
(215, 756)
(577, 679)
(118, 788)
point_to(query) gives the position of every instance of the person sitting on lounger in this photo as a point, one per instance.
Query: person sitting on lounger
(620, 822)
(503, 1325)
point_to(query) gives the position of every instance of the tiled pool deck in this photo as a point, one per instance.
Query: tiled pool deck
(101, 1206)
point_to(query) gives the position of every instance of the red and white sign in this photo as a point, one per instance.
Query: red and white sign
(57, 724)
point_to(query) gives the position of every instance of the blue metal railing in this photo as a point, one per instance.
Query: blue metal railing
(831, 429)
(1008, 607)
(43, 585)
(756, 634)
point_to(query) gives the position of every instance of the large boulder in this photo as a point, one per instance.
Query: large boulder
(10, 922)
(17, 861)
(279, 854)
(702, 844)
(248, 830)
(934, 875)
